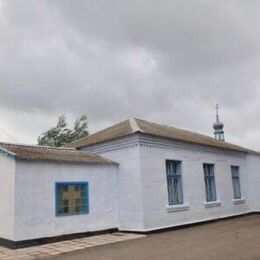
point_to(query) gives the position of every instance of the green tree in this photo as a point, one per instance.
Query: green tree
(61, 134)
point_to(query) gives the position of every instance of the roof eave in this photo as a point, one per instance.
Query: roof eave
(65, 161)
(7, 153)
(107, 140)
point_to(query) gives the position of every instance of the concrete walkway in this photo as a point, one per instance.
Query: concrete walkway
(234, 239)
(60, 248)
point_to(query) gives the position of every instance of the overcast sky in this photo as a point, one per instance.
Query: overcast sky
(166, 61)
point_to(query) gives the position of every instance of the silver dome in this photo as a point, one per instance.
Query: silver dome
(218, 125)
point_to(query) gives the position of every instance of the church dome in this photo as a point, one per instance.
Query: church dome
(218, 125)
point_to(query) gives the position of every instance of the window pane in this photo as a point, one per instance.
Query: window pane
(213, 189)
(208, 197)
(71, 198)
(170, 190)
(210, 186)
(236, 182)
(174, 182)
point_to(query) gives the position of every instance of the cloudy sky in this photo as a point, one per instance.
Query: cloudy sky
(166, 61)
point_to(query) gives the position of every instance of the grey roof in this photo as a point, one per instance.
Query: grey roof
(46, 153)
(135, 125)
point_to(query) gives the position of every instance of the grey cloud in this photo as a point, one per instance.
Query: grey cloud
(168, 61)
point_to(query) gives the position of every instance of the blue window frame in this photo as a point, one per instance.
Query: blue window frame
(174, 182)
(209, 182)
(72, 198)
(236, 182)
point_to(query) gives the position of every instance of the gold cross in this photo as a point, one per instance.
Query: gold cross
(71, 195)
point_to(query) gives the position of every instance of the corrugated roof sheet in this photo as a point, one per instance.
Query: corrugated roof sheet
(46, 153)
(116, 131)
(126, 128)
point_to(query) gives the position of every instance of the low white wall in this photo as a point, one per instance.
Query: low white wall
(154, 153)
(35, 199)
(7, 184)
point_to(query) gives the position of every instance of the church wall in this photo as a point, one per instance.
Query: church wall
(142, 160)
(154, 152)
(253, 169)
(7, 184)
(35, 199)
(126, 151)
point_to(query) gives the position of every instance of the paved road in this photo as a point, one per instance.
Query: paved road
(230, 239)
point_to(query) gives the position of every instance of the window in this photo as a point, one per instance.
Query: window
(209, 182)
(71, 198)
(236, 182)
(174, 182)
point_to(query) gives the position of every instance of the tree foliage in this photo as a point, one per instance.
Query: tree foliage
(61, 134)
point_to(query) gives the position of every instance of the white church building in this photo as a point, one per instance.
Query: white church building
(134, 176)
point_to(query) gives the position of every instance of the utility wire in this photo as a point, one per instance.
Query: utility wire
(8, 135)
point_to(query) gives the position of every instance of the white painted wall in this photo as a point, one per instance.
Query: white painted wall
(126, 151)
(7, 188)
(142, 160)
(154, 152)
(253, 170)
(35, 199)
(131, 197)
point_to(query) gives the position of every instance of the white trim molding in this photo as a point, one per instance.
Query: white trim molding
(180, 207)
(210, 204)
(239, 201)
(113, 145)
(147, 140)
